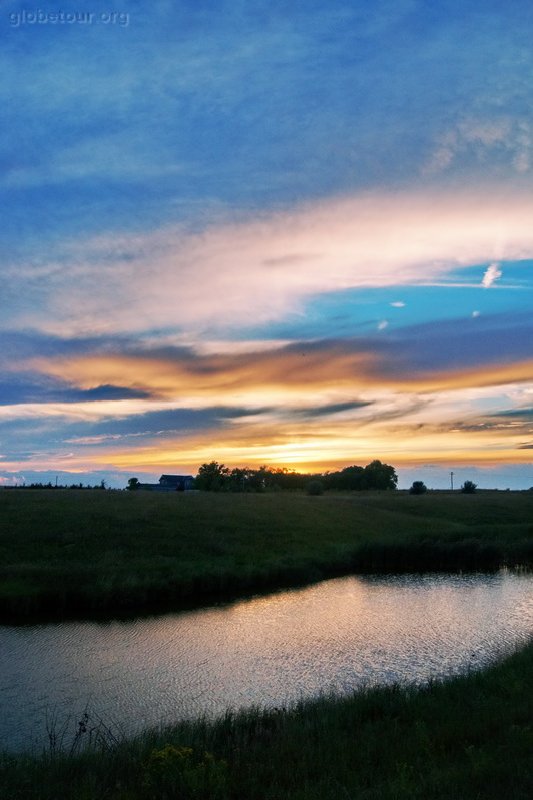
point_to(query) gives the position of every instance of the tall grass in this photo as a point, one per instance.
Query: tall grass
(471, 737)
(88, 553)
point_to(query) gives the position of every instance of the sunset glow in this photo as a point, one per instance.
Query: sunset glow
(267, 235)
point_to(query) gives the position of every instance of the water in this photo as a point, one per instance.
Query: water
(338, 636)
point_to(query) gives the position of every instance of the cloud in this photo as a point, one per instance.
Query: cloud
(330, 409)
(487, 140)
(492, 273)
(327, 443)
(424, 358)
(174, 279)
(311, 422)
(29, 390)
(520, 413)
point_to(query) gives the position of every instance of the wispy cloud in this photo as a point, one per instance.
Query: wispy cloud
(492, 273)
(508, 139)
(266, 267)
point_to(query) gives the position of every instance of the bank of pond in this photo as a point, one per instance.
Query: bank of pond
(98, 553)
(469, 738)
(329, 691)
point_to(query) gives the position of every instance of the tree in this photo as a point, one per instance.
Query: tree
(350, 478)
(418, 487)
(379, 476)
(133, 484)
(258, 479)
(238, 479)
(315, 487)
(468, 487)
(212, 477)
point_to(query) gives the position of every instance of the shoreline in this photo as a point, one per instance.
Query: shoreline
(467, 736)
(193, 602)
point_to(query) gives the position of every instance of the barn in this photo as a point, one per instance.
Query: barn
(169, 483)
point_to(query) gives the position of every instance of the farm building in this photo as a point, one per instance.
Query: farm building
(170, 483)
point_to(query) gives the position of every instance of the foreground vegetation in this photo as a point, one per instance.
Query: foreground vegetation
(471, 737)
(84, 553)
(90, 552)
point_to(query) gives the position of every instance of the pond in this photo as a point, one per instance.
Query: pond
(338, 635)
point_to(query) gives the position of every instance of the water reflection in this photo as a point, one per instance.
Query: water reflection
(336, 636)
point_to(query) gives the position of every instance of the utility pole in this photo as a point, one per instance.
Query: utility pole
(451, 479)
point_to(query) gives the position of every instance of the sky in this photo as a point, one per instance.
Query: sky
(295, 234)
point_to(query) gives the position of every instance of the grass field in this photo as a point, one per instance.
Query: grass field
(467, 739)
(84, 553)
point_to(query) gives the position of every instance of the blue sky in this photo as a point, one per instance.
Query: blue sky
(223, 222)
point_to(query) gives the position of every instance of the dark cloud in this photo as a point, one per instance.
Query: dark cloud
(18, 346)
(110, 392)
(518, 413)
(185, 420)
(327, 410)
(25, 440)
(19, 391)
(463, 344)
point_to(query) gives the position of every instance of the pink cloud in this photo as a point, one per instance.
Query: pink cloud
(263, 268)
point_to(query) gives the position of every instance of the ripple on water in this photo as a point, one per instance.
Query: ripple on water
(338, 635)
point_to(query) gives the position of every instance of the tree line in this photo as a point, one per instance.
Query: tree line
(215, 477)
(50, 485)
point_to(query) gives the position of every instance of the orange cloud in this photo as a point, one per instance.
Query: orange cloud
(370, 404)
(398, 430)
(272, 375)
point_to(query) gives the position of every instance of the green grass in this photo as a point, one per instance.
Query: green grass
(469, 738)
(86, 553)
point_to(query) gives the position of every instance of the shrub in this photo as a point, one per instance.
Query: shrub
(418, 487)
(468, 487)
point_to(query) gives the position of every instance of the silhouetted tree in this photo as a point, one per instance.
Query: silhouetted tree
(133, 484)
(349, 478)
(283, 478)
(212, 477)
(468, 487)
(238, 479)
(379, 476)
(418, 487)
(217, 477)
